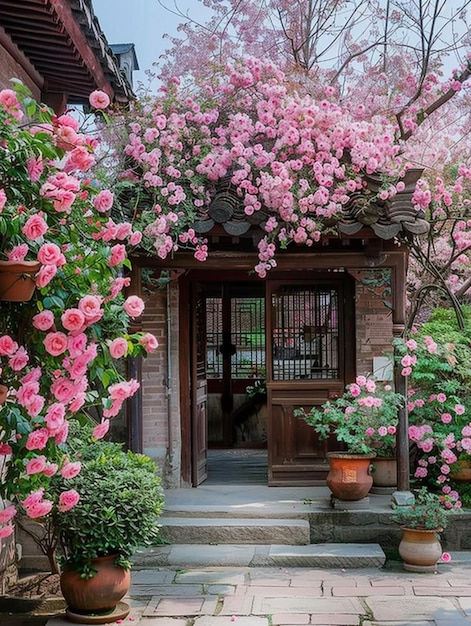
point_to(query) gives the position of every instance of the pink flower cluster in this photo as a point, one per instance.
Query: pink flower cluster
(57, 350)
(284, 153)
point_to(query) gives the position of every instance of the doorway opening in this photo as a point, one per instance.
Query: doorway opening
(260, 350)
(236, 366)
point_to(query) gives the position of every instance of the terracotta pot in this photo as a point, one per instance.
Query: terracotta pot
(461, 472)
(420, 549)
(98, 595)
(3, 393)
(349, 476)
(384, 471)
(17, 282)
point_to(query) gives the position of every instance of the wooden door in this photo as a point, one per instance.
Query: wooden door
(199, 391)
(310, 356)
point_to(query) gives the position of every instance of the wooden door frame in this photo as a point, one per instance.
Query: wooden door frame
(239, 265)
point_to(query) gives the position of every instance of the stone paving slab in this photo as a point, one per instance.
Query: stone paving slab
(269, 605)
(225, 620)
(394, 608)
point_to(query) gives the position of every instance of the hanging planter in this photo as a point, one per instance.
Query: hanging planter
(17, 280)
(3, 393)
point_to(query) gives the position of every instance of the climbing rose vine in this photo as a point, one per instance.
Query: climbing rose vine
(60, 352)
(293, 160)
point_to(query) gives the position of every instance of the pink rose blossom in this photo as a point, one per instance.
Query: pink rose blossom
(118, 347)
(18, 253)
(459, 409)
(134, 306)
(35, 227)
(355, 390)
(62, 434)
(67, 500)
(71, 469)
(34, 498)
(73, 320)
(7, 514)
(38, 439)
(149, 341)
(36, 465)
(41, 509)
(101, 429)
(3, 199)
(103, 201)
(7, 346)
(135, 238)
(446, 557)
(118, 254)
(55, 416)
(99, 99)
(55, 343)
(91, 308)
(50, 469)
(19, 360)
(5, 449)
(6, 531)
(50, 254)
(43, 320)
(45, 275)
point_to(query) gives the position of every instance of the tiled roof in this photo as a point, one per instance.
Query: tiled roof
(63, 40)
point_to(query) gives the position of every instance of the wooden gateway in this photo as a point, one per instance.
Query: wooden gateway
(239, 353)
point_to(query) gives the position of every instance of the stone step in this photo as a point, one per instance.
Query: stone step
(325, 555)
(204, 530)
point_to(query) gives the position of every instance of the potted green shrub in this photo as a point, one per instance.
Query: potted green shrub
(422, 520)
(364, 419)
(120, 501)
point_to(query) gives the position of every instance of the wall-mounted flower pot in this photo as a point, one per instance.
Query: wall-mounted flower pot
(17, 283)
(3, 393)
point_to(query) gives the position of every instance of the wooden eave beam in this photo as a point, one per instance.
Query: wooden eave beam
(79, 40)
(12, 49)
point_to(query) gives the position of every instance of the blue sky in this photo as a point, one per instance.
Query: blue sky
(143, 23)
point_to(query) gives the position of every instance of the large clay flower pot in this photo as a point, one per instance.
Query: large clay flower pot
(97, 596)
(17, 282)
(384, 471)
(420, 549)
(349, 476)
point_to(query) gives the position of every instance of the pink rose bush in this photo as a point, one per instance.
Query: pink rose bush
(59, 352)
(365, 417)
(437, 367)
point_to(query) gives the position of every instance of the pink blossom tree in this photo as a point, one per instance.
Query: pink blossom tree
(402, 66)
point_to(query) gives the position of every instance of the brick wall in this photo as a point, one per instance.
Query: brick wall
(162, 446)
(373, 316)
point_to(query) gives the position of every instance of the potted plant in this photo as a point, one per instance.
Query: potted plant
(422, 520)
(117, 510)
(364, 419)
